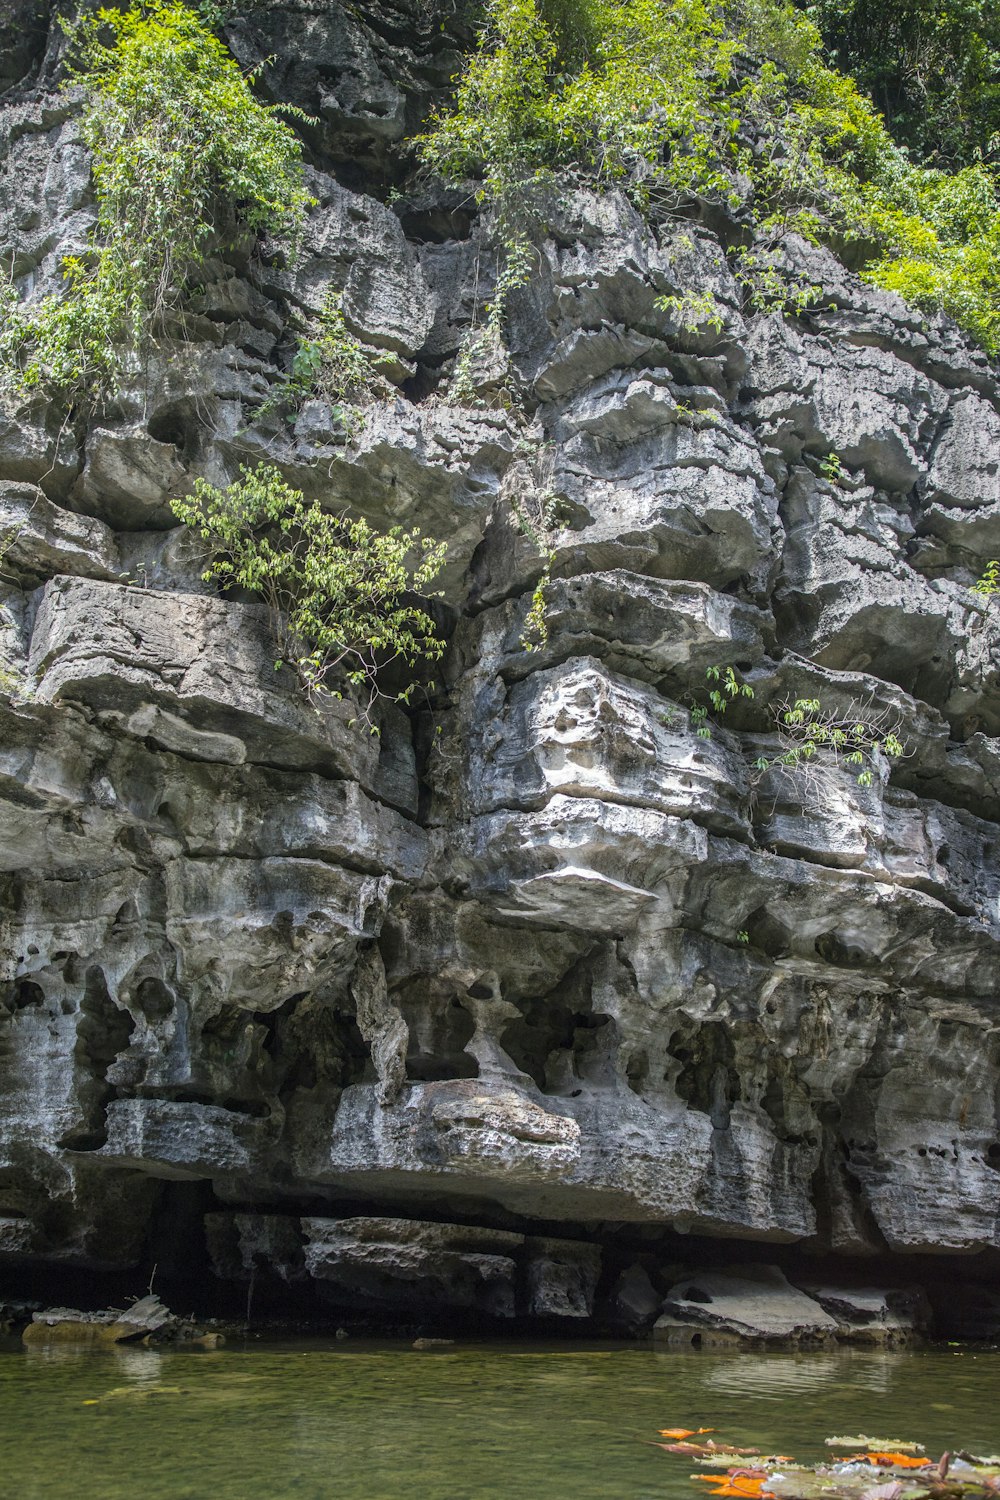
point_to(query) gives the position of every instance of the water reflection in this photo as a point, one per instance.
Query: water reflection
(139, 1364)
(775, 1377)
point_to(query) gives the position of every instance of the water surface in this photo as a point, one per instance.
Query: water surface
(353, 1421)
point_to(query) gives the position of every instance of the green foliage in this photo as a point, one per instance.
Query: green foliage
(989, 583)
(535, 634)
(728, 685)
(693, 310)
(216, 12)
(939, 239)
(832, 469)
(931, 66)
(180, 149)
(340, 595)
(537, 514)
(594, 85)
(813, 735)
(331, 364)
(770, 291)
(657, 97)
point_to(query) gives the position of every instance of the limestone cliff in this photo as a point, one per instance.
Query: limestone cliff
(541, 969)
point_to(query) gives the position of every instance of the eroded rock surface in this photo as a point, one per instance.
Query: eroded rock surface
(458, 1016)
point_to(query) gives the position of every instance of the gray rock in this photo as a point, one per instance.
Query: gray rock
(129, 478)
(539, 953)
(635, 1298)
(355, 245)
(207, 663)
(381, 1024)
(38, 539)
(36, 449)
(243, 1245)
(965, 469)
(885, 1318)
(872, 410)
(23, 32)
(404, 1263)
(562, 1278)
(752, 1305)
(62, 1325)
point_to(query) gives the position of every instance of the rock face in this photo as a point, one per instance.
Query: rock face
(757, 1304)
(487, 1012)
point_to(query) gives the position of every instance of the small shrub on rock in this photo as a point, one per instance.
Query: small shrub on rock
(344, 599)
(330, 364)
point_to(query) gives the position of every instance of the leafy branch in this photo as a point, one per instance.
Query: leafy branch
(812, 736)
(989, 583)
(344, 600)
(729, 686)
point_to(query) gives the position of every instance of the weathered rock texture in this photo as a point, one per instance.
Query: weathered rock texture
(428, 1020)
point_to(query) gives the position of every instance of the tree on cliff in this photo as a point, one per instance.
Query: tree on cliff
(931, 66)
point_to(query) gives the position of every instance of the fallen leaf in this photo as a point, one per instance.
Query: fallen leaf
(883, 1445)
(749, 1485)
(754, 1473)
(895, 1461)
(684, 1432)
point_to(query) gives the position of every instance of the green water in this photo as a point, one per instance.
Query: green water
(374, 1422)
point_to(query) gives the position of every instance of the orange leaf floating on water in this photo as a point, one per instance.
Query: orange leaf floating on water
(721, 1478)
(683, 1432)
(896, 1461)
(730, 1475)
(748, 1484)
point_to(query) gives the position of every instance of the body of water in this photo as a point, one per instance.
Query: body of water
(353, 1421)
